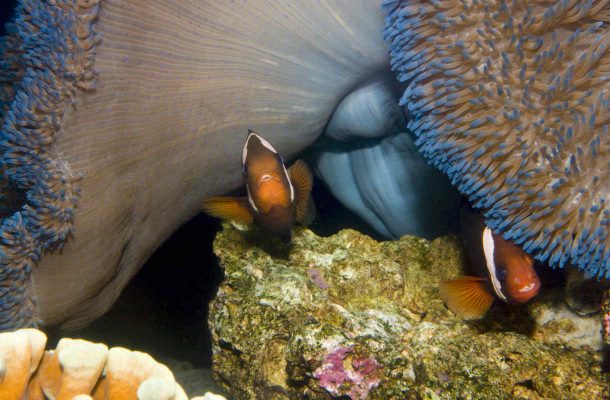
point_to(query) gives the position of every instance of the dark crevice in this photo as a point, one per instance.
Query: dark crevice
(528, 384)
(7, 10)
(164, 309)
(12, 199)
(605, 365)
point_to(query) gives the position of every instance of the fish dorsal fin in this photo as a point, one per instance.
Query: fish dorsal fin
(233, 208)
(302, 180)
(466, 296)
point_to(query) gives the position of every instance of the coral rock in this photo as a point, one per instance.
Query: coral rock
(377, 328)
(606, 317)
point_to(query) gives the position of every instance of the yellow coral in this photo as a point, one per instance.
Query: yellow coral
(81, 370)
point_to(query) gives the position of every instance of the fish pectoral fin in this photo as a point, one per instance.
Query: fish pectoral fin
(233, 208)
(302, 181)
(467, 296)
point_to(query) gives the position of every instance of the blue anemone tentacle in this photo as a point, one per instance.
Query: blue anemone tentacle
(50, 47)
(529, 139)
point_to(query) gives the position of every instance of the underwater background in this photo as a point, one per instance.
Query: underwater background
(381, 295)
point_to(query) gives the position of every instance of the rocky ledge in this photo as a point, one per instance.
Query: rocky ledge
(348, 317)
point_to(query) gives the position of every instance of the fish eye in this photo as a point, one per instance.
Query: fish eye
(501, 273)
(281, 158)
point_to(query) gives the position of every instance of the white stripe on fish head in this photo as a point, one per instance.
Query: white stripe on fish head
(488, 250)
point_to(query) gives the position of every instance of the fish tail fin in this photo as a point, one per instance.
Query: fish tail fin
(467, 296)
(302, 180)
(233, 208)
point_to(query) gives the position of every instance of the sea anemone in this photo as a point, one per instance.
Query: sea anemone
(512, 101)
(369, 162)
(120, 117)
(42, 72)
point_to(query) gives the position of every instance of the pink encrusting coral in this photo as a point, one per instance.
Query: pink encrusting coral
(317, 277)
(344, 374)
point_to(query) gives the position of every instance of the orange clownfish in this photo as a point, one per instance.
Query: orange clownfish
(277, 198)
(508, 272)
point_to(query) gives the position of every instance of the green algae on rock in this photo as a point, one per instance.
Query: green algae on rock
(349, 317)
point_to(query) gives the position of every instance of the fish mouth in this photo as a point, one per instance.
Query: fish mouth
(527, 288)
(526, 292)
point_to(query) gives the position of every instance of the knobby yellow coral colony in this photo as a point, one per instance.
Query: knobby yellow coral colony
(78, 369)
(512, 100)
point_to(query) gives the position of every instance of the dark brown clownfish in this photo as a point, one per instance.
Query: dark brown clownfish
(506, 271)
(277, 197)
